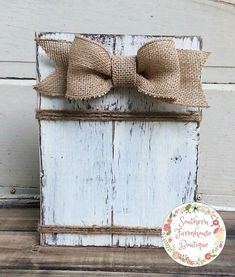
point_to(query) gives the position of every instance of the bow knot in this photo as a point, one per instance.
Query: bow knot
(85, 70)
(123, 71)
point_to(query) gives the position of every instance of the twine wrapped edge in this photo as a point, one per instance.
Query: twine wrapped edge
(94, 229)
(76, 115)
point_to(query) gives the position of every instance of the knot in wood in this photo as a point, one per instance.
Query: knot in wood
(124, 71)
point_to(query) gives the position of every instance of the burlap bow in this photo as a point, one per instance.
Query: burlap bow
(85, 70)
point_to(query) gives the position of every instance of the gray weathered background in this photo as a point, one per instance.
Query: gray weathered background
(213, 20)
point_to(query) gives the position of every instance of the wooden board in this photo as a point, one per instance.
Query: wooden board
(212, 20)
(216, 176)
(20, 251)
(21, 255)
(114, 173)
(55, 273)
(19, 219)
(19, 162)
(27, 219)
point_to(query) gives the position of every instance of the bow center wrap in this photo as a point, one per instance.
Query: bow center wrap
(123, 71)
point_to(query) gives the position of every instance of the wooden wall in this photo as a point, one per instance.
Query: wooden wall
(213, 20)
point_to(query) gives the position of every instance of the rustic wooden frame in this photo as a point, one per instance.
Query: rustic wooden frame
(59, 111)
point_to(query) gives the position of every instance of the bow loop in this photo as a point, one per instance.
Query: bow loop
(89, 67)
(158, 62)
(88, 55)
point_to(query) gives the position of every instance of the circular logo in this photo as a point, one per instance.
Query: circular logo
(193, 234)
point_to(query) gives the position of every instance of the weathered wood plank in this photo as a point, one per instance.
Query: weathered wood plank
(218, 75)
(15, 219)
(20, 250)
(19, 166)
(216, 176)
(85, 201)
(22, 256)
(68, 273)
(20, 202)
(17, 70)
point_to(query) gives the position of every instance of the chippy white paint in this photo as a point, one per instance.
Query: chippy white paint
(122, 173)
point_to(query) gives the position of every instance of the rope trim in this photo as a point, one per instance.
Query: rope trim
(74, 115)
(118, 230)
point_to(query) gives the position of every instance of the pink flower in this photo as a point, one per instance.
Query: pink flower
(208, 256)
(166, 227)
(215, 222)
(176, 255)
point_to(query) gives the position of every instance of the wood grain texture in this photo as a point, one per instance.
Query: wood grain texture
(21, 255)
(14, 219)
(20, 251)
(19, 166)
(169, 17)
(19, 219)
(124, 173)
(68, 273)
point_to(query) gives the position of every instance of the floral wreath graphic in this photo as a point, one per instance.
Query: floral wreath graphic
(217, 225)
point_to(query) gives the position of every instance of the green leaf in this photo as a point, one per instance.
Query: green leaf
(169, 232)
(187, 208)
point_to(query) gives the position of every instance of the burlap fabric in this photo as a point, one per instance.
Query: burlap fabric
(85, 70)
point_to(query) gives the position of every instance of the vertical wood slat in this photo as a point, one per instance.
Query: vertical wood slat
(114, 173)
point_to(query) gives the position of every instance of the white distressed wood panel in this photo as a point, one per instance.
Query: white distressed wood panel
(216, 160)
(127, 172)
(19, 166)
(212, 20)
(155, 170)
(76, 181)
